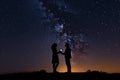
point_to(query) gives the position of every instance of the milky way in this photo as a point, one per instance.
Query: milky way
(61, 20)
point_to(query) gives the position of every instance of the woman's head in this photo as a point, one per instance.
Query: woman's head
(54, 45)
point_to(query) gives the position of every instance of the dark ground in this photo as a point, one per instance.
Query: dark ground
(61, 76)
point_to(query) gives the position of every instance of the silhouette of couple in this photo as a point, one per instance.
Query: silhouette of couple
(55, 58)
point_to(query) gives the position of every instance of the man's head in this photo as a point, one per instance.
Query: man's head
(67, 45)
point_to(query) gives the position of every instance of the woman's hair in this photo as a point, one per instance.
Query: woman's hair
(54, 45)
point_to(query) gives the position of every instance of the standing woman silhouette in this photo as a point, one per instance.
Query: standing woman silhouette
(55, 58)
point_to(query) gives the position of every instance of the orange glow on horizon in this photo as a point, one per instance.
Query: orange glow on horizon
(74, 69)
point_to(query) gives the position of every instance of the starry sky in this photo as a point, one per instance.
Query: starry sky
(25, 41)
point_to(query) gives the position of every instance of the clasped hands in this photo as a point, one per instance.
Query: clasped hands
(60, 52)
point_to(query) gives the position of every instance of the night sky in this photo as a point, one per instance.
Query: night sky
(25, 41)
